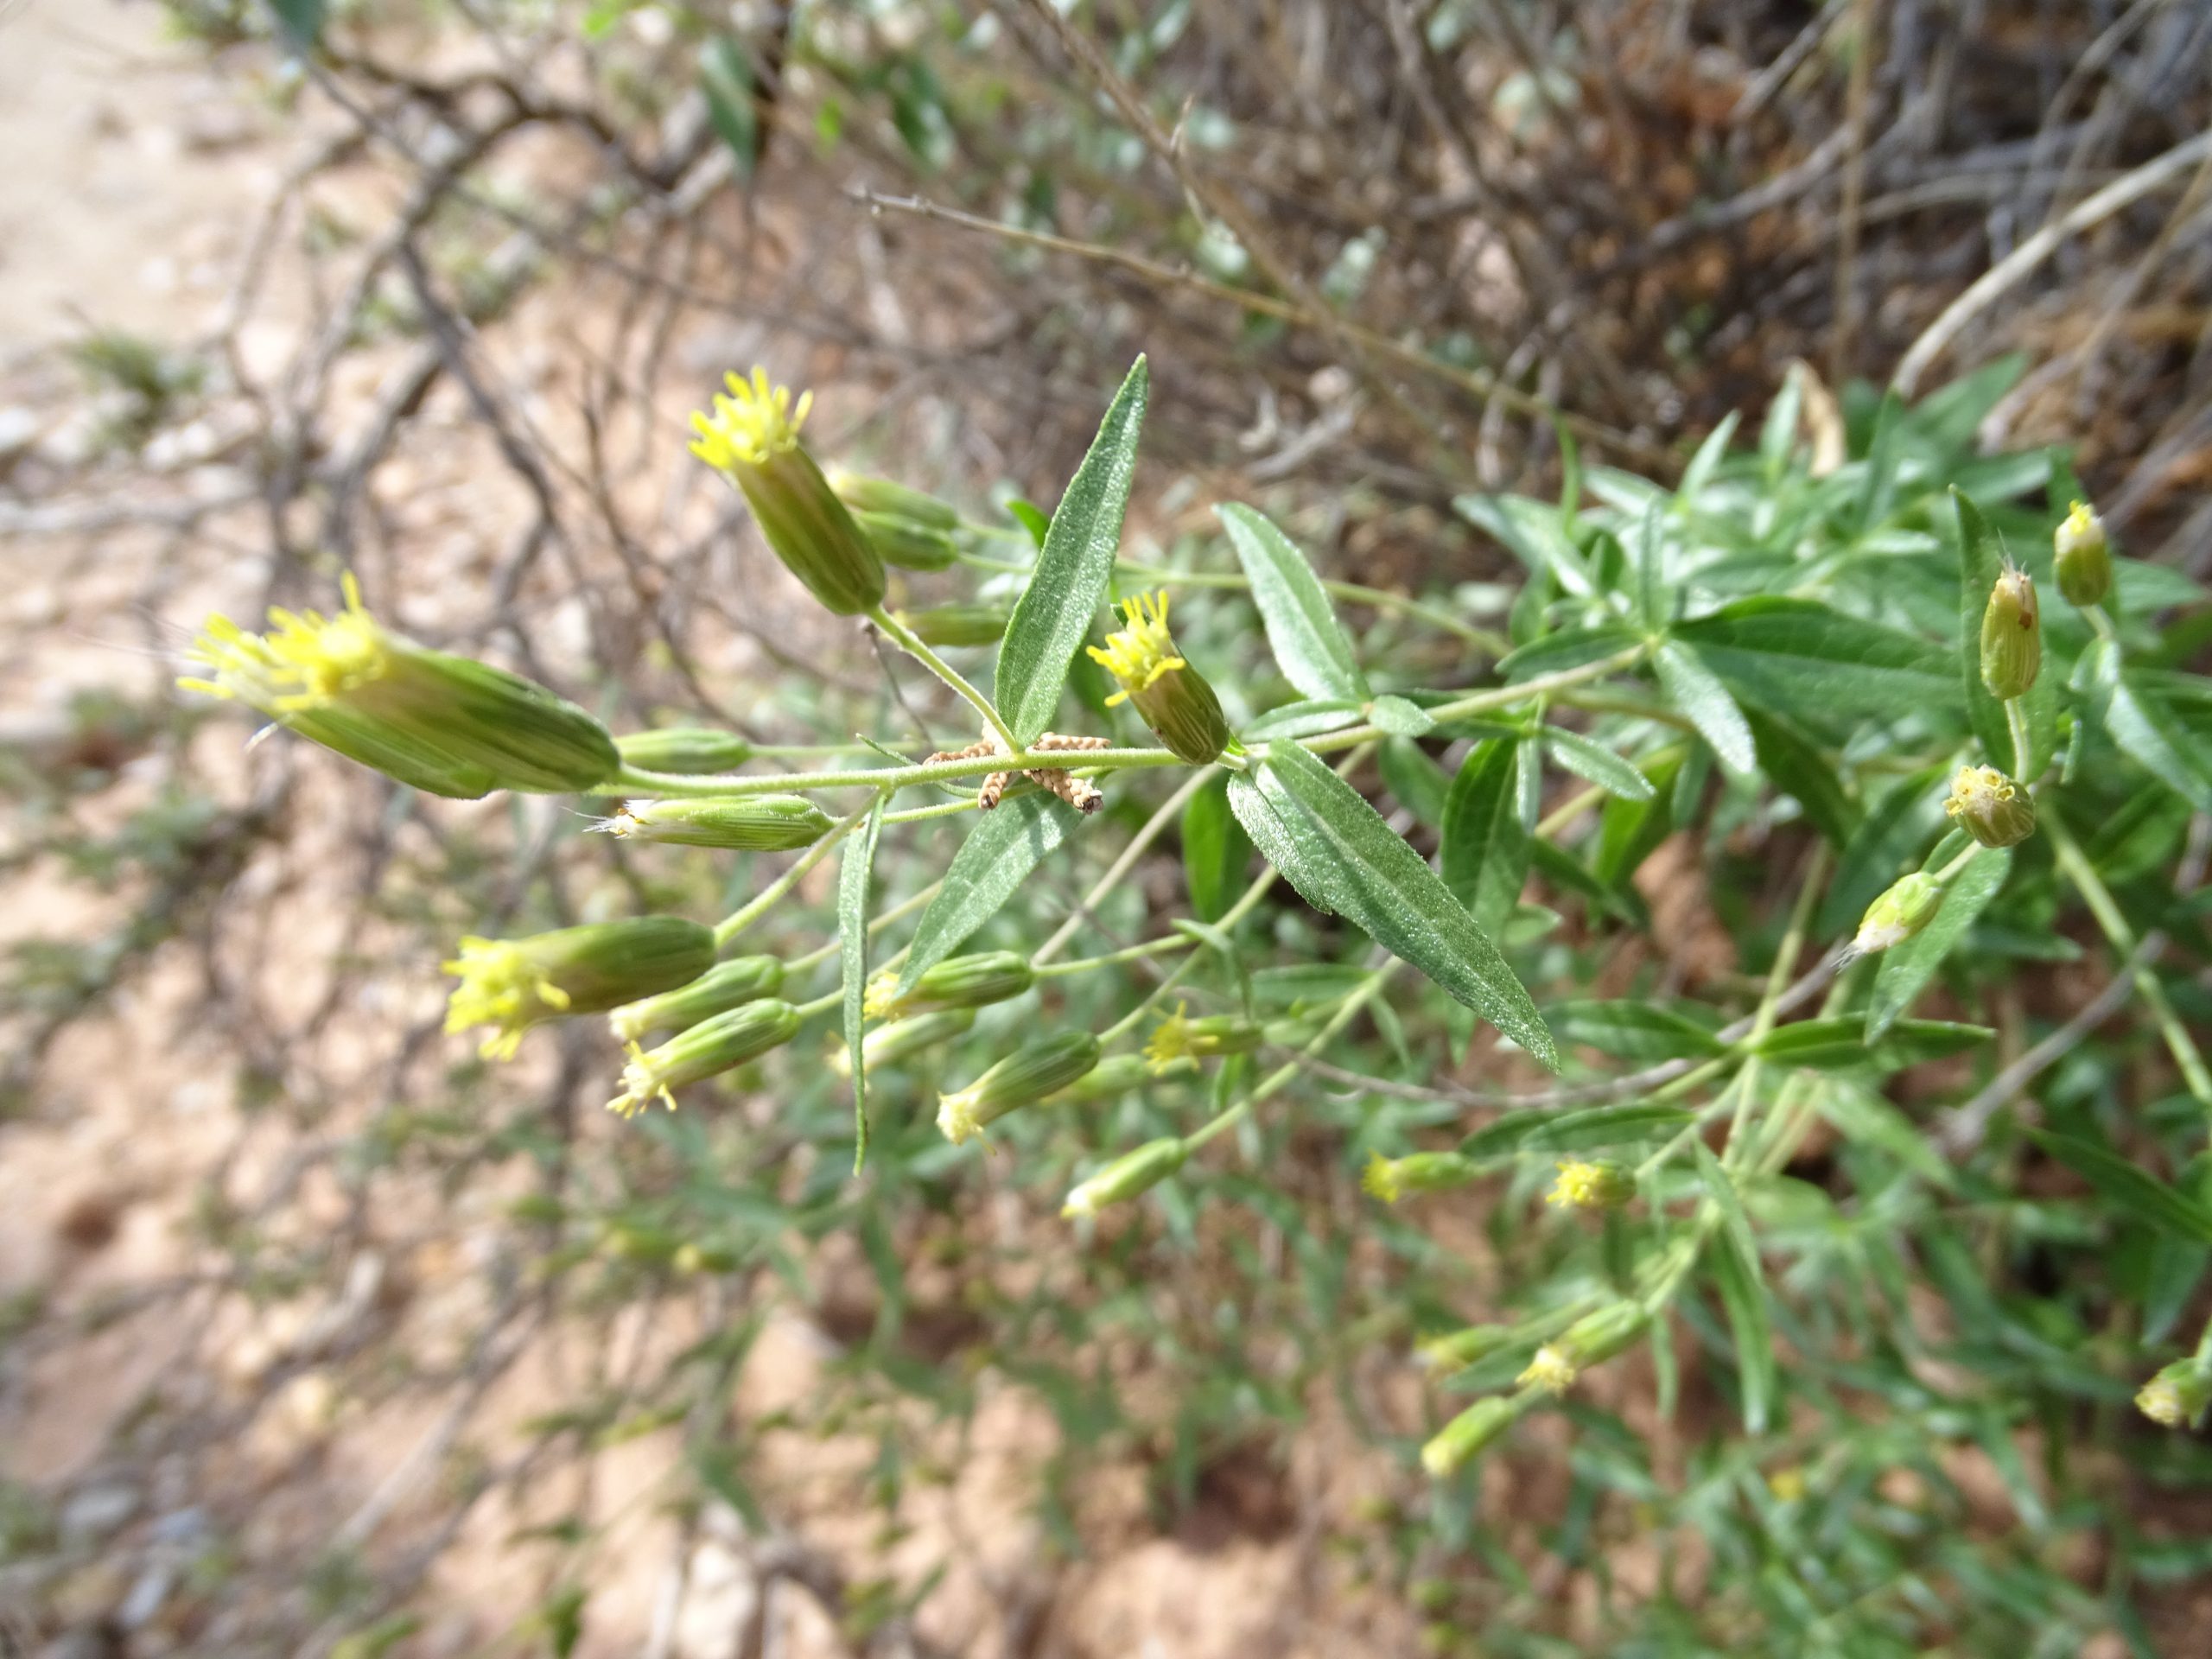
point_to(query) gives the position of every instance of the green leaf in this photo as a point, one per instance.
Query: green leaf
(1215, 851)
(1031, 517)
(852, 950)
(1056, 609)
(1906, 968)
(1641, 1032)
(1694, 690)
(1400, 718)
(1308, 642)
(726, 79)
(1595, 764)
(1778, 435)
(1704, 462)
(1798, 657)
(1795, 765)
(1540, 1129)
(1743, 1292)
(1484, 842)
(1335, 849)
(1840, 1043)
(1000, 852)
(1897, 826)
(1568, 648)
(1416, 782)
(1879, 487)
(301, 20)
(2160, 743)
(1627, 831)
(1533, 532)
(2135, 1193)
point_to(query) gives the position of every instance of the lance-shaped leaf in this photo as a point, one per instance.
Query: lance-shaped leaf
(1907, 968)
(1694, 690)
(1735, 1263)
(852, 950)
(1538, 1128)
(1056, 609)
(996, 859)
(1339, 855)
(1642, 1032)
(1303, 631)
(1485, 844)
(2141, 723)
(2135, 1193)
(1596, 764)
(1215, 850)
(1798, 657)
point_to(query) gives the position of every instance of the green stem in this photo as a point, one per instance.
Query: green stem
(730, 927)
(1164, 815)
(911, 642)
(1282, 1074)
(2016, 716)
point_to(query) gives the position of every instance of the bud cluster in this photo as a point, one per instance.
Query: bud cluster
(512, 984)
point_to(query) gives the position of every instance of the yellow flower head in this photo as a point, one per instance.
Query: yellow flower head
(1171, 1040)
(756, 420)
(2160, 1400)
(1139, 654)
(881, 1000)
(643, 1083)
(1978, 790)
(958, 1118)
(1382, 1179)
(499, 987)
(2080, 523)
(1589, 1186)
(304, 661)
(1550, 1370)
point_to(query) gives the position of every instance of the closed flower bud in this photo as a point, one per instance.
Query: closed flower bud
(971, 981)
(1899, 913)
(1115, 1075)
(752, 823)
(1461, 1349)
(1393, 1179)
(710, 1048)
(1030, 1073)
(752, 439)
(684, 749)
(1126, 1176)
(2084, 556)
(1596, 1338)
(1991, 807)
(2177, 1394)
(1600, 1185)
(1454, 1445)
(893, 500)
(1172, 696)
(1179, 1037)
(906, 544)
(725, 986)
(2012, 637)
(888, 1045)
(956, 624)
(512, 984)
(438, 722)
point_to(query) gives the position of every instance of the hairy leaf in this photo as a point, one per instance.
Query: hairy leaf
(852, 950)
(996, 859)
(1696, 691)
(1540, 1129)
(1800, 657)
(1303, 631)
(1216, 849)
(1642, 1032)
(1484, 842)
(1735, 1263)
(1596, 764)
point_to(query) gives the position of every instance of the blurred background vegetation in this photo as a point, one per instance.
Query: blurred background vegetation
(320, 1336)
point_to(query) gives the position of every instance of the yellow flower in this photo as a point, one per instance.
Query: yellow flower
(1550, 1370)
(1380, 1179)
(305, 661)
(1591, 1186)
(755, 422)
(880, 999)
(1994, 810)
(1171, 1040)
(499, 987)
(1139, 654)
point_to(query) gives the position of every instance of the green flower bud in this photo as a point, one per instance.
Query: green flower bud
(1461, 1349)
(1030, 1073)
(957, 625)
(1126, 1176)
(752, 823)
(726, 985)
(1179, 1037)
(1600, 1185)
(708, 1048)
(1459, 1442)
(1172, 696)
(906, 544)
(2084, 558)
(888, 1045)
(684, 749)
(752, 439)
(1899, 913)
(2177, 1394)
(1115, 1075)
(1596, 1338)
(971, 981)
(512, 984)
(1991, 807)
(892, 500)
(2012, 637)
(1393, 1179)
(446, 724)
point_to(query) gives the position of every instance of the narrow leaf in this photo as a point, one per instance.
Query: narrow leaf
(1538, 1128)
(1641, 1032)
(852, 950)
(1056, 609)
(1334, 848)
(2135, 1193)
(996, 859)
(726, 79)
(1399, 717)
(1743, 1292)
(1485, 845)
(1308, 642)
(1215, 851)
(1800, 657)
(1593, 763)
(1796, 768)
(1906, 968)
(1840, 1043)
(2150, 732)
(1697, 692)
(1981, 561)
(1416, 782)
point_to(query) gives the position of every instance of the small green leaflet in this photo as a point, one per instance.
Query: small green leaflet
(1742, 1292)
(726, 79)
(1798, 657)
(1694, 690)
(1216, 849)
(301, 20)
(1594, 763)
(1540, 1129)
(1906, 968)
(1568, 648)
(1057, 608)
(2141, 1196)
(1400, 718)
(1335, 849)
(1840, 1043)
(2150, 732)
(1416, 782)
(1030, 517)
(1484, 843)
(1308, 642)
(1641, 1032)
(1795, 765)
(852, 950)
(996, 859)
